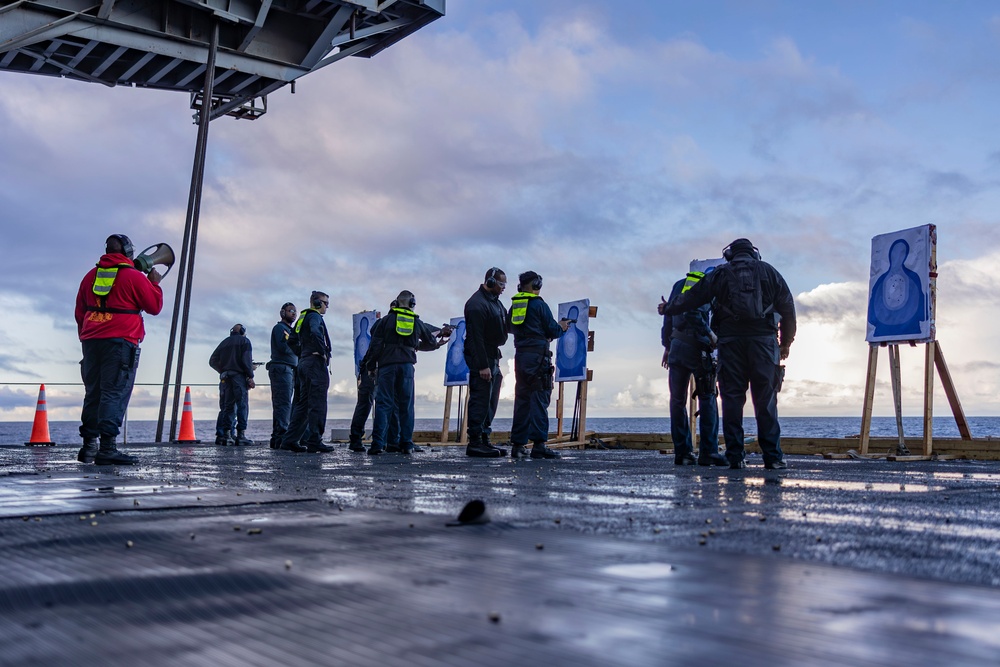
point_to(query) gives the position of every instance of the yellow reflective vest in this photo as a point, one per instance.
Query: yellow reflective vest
(519, 306)
(104, 280)
(692, 279)
(404, 321)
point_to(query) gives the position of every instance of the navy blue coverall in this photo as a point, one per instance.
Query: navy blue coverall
(485, 333)
(233, 361)
(366, 399)
(312, 381)
(533, 372)
(748, 352)
(395, 355)
(688, 343)
(281, 373)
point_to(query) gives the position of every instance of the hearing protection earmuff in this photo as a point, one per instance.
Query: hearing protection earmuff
(728, 254)
(537, 282)
(239, 330)
(491, 280)
(127, 249)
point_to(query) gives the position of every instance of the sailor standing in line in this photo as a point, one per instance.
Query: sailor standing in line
(534, 328)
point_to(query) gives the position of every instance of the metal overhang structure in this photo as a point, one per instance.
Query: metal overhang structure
(263, 44)
(232, 52)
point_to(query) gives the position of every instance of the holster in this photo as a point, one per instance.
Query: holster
(779, 377)
(546, 373)
(706, 379)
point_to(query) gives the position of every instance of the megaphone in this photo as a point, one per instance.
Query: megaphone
(161, 254)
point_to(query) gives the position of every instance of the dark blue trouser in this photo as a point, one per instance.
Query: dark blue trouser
(282, 377)
(234, 398)
(108, 372)
(308, 420)
(531, 397)
(708, 412)
(750, 361)
(484, 397)
(366, 398)
(394, 389)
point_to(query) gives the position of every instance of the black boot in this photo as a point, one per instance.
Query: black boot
(242, 439)
(108, 454)
(88, 451)
(519, 452)
(540, 451)
(479, 450)
(487, 443)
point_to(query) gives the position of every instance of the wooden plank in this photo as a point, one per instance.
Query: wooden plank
(952, 394)
(692, 420)
(897, 399)
(463, 436)
(929, 398)
(446, 424)
(866, 409)
(559, 409)
(583, 410)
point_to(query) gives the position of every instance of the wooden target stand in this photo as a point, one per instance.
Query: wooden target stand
(577, 436)
(693, 412)
(463, 415)
(933, 359)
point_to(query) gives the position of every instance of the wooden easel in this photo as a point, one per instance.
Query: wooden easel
(693, 408)
(581, 397)
(463, 432)
(933, 358)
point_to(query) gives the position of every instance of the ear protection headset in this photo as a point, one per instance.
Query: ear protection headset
(127, 249)
(537, 282)
(316, 299)
(491, 280)
(728, 253)
(239, 330)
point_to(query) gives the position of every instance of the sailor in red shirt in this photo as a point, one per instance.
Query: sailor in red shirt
(109, 308)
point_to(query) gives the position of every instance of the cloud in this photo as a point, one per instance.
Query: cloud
(833, 303)
(544, 140)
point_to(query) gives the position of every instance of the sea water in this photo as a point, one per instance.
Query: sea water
(17, 433)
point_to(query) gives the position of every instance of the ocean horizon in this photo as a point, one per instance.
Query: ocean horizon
(795, 427)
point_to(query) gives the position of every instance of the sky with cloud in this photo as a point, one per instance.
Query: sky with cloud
(604, 145)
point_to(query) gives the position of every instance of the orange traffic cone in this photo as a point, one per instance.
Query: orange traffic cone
(40, 429)
(186, 436)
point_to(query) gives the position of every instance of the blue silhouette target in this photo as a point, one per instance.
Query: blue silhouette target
(571, 350)
(900, 307)
(363, 322)
(456, 371)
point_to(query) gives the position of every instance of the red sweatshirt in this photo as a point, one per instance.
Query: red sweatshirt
(132, 290)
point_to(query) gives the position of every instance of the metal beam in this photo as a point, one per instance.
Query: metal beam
(66, 68)
(322, 44)
(371, 31)
(106, 7)
(265, 7)
(139, 64)
(110, 60)
(15, 36)
(191, 51)
(165, 70)
(343, 53)
(82, 53)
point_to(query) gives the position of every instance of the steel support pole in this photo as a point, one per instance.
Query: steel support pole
(186, 268)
